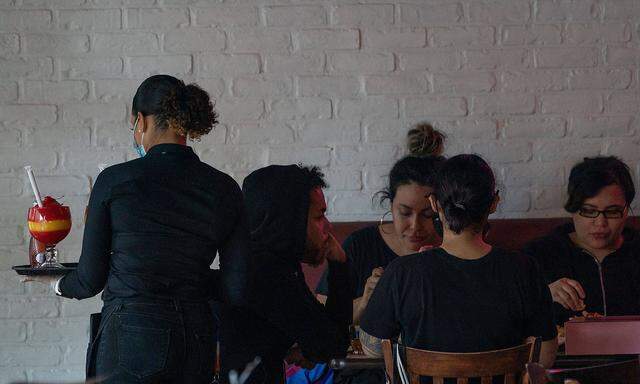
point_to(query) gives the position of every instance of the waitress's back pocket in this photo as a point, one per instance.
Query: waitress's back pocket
(143, 351)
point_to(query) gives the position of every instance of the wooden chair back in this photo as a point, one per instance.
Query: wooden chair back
(510, 363)
(623, 372)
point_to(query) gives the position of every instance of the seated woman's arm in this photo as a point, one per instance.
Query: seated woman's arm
(379, 320)
(371, 345)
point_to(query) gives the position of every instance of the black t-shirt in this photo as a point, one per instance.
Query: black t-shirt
(366, 250)
(439, 302)
(154, 226)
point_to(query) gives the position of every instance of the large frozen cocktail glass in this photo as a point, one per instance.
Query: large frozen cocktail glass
(49, 224)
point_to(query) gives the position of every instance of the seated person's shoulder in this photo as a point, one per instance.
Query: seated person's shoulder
(631, 237)
(409, 263)
(520, 264)
(359, 241)
(362, 235)
(555, 242)
(542, 241)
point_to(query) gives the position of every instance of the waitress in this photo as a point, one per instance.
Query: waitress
(153, 228)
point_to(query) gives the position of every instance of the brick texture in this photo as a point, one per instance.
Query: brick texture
(532, 85)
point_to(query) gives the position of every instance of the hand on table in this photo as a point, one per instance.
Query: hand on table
(568, 293)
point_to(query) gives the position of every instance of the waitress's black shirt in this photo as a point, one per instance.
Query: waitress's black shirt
(439, 302)
(366, 250)
(611, 287)
(154, 226)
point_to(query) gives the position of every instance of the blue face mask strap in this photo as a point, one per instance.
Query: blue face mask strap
(138, 147)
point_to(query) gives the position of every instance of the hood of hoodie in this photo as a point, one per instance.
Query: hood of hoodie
(277, 204)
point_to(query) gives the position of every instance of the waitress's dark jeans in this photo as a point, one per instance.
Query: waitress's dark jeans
(155, 342)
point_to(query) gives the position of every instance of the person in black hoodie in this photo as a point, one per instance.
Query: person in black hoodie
(286, 210)
(593, 263)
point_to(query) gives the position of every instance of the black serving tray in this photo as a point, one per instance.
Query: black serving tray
(28, 270)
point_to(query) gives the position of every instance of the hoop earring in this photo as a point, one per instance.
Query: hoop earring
(382, 221)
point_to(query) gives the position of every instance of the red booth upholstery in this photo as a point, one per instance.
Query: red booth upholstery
(505, 233)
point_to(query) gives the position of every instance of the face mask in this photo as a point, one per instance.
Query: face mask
(139, 148)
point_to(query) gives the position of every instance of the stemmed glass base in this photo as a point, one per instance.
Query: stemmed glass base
(51, 258)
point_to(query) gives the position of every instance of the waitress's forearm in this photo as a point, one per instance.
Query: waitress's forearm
(71, 286)
(93, 266)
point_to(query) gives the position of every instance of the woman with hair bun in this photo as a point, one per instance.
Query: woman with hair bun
(370, 249)
(410, 182)
(153, 228)
(466, 295)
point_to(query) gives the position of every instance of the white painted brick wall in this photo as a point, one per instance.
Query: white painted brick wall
(533, 85)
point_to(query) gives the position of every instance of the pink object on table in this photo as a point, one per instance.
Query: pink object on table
(611, 335)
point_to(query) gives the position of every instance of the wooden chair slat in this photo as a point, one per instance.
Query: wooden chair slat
(509, 362)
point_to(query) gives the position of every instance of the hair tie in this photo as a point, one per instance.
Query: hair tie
(460, 205)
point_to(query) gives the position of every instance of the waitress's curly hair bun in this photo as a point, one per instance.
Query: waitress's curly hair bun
(189, 111)
(186, 109)
(423, 140)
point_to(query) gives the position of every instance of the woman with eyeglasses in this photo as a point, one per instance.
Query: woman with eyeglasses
(593, 263)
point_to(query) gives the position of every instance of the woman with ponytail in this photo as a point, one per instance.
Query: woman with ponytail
(153, 228)
(466, 295)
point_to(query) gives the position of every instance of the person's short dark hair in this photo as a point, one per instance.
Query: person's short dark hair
(465, 190)
(425, 145)
(315, 176)
(588, 177)
(187, 109)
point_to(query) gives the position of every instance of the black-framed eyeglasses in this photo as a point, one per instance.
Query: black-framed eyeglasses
(591, 213)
